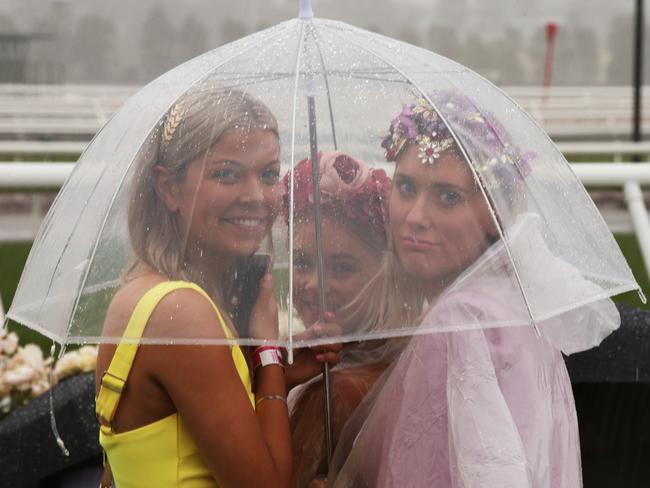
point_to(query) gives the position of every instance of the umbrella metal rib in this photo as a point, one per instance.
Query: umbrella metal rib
(327, 90)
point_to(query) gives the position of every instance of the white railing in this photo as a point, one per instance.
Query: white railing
(23, 176)
(51, 175)
(615, 149)
(19, 149)
(49, 111)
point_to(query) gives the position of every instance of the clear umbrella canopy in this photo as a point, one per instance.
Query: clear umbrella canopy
(187, 179)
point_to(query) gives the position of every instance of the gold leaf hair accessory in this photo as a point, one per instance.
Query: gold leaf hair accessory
(174, 117)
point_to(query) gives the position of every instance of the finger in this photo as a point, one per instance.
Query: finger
(328, 329)
(314, 331)
(328, 357)
(305, 335)
(319, 329)
(336, 347)
(266, 285)
(266, 297)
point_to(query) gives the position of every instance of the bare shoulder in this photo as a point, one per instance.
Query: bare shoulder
(181, 314)
(124, 302)
(185, 314)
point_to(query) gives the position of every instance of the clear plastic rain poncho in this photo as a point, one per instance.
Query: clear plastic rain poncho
(477, 232)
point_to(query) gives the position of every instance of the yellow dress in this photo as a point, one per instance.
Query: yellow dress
(160, 454)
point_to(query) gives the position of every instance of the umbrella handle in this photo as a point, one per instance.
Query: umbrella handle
(327, 405)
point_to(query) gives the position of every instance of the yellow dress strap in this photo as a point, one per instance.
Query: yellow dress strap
(114, 378)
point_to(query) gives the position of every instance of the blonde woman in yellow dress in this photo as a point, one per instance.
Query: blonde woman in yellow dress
(205, 195)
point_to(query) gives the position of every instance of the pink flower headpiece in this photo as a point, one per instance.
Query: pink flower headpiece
(347, 184)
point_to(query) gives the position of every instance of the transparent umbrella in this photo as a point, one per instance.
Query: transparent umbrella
(357, 82)
(206, 143)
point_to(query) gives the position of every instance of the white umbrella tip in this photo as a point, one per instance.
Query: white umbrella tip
(305, 10)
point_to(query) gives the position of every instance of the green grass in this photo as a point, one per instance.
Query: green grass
(38, 158)
(12, 261)
(88, 318)
(632, 253)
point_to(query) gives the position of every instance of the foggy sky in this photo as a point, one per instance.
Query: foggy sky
(471, 23)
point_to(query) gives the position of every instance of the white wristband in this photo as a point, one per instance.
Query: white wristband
(266, 357)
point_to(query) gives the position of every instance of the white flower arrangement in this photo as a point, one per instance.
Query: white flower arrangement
(25, 373)
(83, 360)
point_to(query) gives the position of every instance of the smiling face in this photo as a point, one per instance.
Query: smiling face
(229, 197)
(439, 219)
(349, 265)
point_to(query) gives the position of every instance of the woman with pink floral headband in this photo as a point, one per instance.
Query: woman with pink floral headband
(354, 202)
(470, 402)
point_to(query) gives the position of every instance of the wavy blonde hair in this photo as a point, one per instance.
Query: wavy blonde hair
(188, 130)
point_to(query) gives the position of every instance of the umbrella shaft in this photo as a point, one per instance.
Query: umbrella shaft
(315, 172)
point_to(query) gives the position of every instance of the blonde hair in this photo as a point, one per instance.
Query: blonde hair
(390, 301)
(188, 130)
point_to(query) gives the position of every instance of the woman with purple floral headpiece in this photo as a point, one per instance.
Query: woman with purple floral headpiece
(470, 401)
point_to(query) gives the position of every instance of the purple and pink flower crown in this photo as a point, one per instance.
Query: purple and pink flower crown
(485, 140)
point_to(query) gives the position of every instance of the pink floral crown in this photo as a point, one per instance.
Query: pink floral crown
(497, 160)
(346, 183)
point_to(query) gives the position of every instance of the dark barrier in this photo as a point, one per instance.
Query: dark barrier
(611, 385)
(29, 454)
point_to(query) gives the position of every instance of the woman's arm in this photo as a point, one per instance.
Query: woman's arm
(241, 447)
